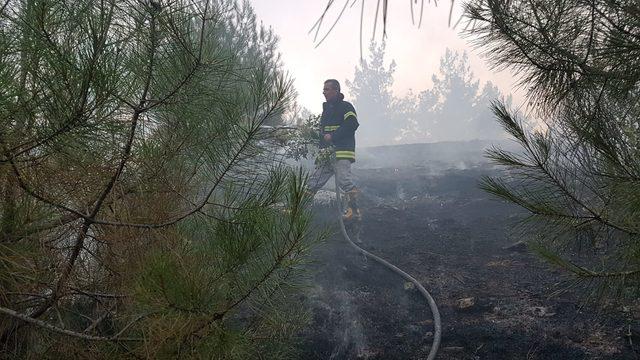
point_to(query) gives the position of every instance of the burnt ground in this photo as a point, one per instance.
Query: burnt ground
(451, 236)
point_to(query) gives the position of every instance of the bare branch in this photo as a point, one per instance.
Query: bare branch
(47, 326)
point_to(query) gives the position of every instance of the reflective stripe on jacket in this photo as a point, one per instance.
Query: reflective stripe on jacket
(339, 119)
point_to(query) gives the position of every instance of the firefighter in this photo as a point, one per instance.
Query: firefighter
(338, 125)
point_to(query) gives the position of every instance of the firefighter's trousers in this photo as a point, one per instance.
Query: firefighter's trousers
(323, 172)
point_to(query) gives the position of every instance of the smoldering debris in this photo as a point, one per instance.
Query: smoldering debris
(451, 236)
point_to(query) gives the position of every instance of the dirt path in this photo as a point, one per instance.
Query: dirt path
(451, 236)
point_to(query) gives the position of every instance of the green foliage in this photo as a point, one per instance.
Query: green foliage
(245, 269)
(455, 108)
(296, 142)
(373, 98)
(137, 215)
(579, 174)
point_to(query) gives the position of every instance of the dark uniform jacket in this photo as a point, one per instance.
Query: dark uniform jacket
(339, 119)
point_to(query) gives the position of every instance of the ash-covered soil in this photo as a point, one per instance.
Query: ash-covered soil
(496, 300)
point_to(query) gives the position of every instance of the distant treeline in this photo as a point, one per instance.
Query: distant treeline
(457, 107)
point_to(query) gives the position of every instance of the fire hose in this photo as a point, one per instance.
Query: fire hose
(432, 304)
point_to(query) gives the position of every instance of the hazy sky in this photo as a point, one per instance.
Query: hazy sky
(416, 51)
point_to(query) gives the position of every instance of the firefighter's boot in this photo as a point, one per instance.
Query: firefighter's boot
(352, 212)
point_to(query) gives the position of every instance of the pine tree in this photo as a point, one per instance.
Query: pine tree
(373, 99)
(136, 218)
(454, 109)
(580, 176)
